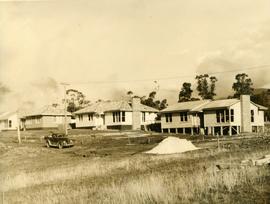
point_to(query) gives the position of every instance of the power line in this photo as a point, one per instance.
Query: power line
(174, 77)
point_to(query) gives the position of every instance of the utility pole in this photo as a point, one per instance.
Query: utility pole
(18, 127)
(65, 103)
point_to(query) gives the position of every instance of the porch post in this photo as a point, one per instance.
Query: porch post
(230, 130)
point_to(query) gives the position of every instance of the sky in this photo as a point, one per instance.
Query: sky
(105, 48)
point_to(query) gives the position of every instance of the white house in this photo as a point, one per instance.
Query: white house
(232, 116)
(185, 117)
(9, 121)
(116, 115)
(223, 117)
(50, 116)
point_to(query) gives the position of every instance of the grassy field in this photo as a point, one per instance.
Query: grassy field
(110, 167)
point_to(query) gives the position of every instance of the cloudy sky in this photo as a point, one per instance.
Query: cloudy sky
(105, 48)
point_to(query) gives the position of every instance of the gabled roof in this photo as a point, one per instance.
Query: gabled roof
(6, 115)
(49, 110)
(194, 106)
(220, 104)
(144, 108)
(103, 106)
(259, 106)
(107, 106)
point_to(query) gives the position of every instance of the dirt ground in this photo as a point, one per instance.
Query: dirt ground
(115, 147)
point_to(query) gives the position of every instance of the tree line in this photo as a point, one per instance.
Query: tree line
(205, 87)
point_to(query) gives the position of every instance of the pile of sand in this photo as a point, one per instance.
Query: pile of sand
(172, 145)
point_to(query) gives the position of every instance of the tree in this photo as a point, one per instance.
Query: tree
(130, 93)
(150, 101)
(163, 104)
(243, 85)
(185, 93)
(75, 100)
(262, 97)
(206, 86)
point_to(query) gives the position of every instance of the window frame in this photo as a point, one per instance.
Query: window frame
(10, 123)
(231, 115)
(116, 116)
(252, 114)
(90, 116)
(123, 116)
(80, 117)
(168, 117)
(143, 116)
(183, 116)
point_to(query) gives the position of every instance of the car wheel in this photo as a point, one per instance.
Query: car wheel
(60, 146)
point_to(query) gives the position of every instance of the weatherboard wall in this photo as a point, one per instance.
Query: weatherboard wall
(4, 124)
(85, 122)
(109, 119)
(45, 122)
(192, 121)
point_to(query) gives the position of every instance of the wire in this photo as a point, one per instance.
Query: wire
(169, 78)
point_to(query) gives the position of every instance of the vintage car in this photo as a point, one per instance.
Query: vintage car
(58, 140)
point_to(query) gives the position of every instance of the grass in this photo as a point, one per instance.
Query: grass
(119, 173)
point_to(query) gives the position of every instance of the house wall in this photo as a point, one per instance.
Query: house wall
(85, 122)
(109, 119)
(211, 121)
(98, 120)
(258, 116)
(38, 122)
(150, 118)
(193, 121)
(4, 124)
(237, 114)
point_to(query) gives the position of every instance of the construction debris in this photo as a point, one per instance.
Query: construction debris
(265, 160)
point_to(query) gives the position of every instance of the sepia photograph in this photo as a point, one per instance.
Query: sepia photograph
(134, 101)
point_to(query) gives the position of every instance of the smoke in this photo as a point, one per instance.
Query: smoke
(250, 51)
(31, 95)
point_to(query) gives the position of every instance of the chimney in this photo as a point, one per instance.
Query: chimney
(136, 113)
(245, 113)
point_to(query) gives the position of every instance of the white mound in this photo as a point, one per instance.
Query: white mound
(172, 145)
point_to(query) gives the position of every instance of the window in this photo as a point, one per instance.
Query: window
(80, 117)
(10, 123)
(252, 115)
(168, 117)
(232, 115)
(116, 117)
(143, 116)
(38, 119)
(183, 116)
(218, 116)
(90, 116)
(227, 117)
(123, 116)
(222, 116)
